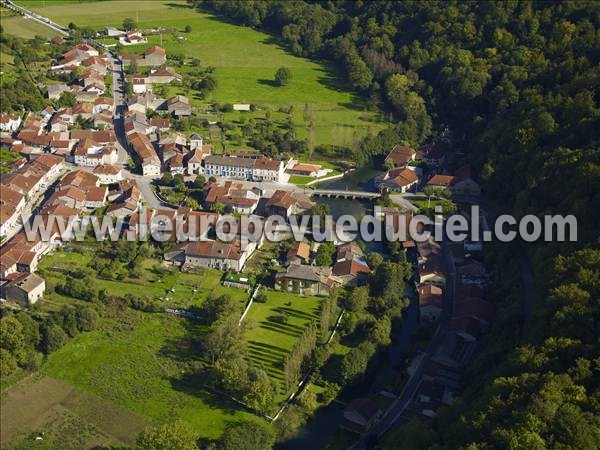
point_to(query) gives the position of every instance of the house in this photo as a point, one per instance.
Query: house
(440, 181)
(108, 174)
(252, 169)
(162, 75)
(195, 158)
(23, 288)
(83, 110)
(461, 183)
(103, 104)
(432, 154)
(11, 206)
(233, 196)
(175, 164)
(432, 394)
(179, 106)
(217, 255)
(160, 124)
(112, 32)
(154, 56)
(47, 113)
(464, 184)
(307, 170)
(103, 120)
(400, 179)
(142, 103)
(90, 153)
(299, 253)
(195, 141)
(241, 107)
(288, 203)
(350, 266)
(139, 85)
(305, 280)
(60, 143)
(350, 272)
(145, 153)
(400, 156)
(360, 415)
(430, 302)
(96, 63)
(132, 37)
(432, 271)
(10, 122)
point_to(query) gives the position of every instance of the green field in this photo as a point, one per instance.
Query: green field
(269, 341)
(245, 61)
(145, 365)
(23, 28)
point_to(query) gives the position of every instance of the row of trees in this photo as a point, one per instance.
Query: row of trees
(295, 362)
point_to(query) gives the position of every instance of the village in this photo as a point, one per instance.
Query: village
(107, 144)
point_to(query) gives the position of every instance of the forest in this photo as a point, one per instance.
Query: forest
(515, 86)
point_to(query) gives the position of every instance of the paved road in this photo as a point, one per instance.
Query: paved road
(118, 92)
(399, 405)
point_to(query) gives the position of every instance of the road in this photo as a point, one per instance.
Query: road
(118, 93)
(399, 405)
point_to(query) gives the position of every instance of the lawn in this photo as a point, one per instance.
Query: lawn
(269, 341)
(245, 61)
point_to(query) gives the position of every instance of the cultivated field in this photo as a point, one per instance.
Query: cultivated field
(65, 417)
(245, 62)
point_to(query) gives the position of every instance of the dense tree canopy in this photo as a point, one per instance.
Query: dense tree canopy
(514, 85)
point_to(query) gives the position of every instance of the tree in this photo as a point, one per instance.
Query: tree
(358, 299)
(12, 338)
(325, 254)
(173, 436)
(199, 182)
(54, 338)
(66, 100)
(128, 24)
(8, 363)
(247, 436)
(133, 67)
(355, 362)
(283, 76)
(261, 391)
(218, 207)
(87, 319)
(380, 333)
(188, 29)
(209, 83)
(215, 307)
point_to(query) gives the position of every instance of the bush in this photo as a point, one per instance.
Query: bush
(261, 297)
